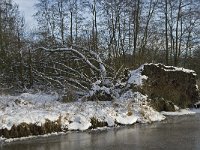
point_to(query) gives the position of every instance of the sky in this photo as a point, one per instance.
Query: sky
(27, 8)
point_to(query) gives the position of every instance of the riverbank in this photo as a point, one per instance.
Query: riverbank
(140, 96)
(38, 114)
(29, 115)
(175, 132)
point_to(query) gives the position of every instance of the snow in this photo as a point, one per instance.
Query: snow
(179, 113)
(37, 108)
(137, 96)
(124, 119)
(195, 110)
(30, 137)
(28, 108)
(40, 97)
(136, 77)
(180, 69)
(172, 68)
(197, 87)
(79, 123)
(197, 104)
(96, 87)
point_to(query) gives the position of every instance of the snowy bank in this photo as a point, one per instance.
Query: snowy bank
(27, 112)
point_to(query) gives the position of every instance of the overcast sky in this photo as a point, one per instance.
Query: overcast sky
(27, 8)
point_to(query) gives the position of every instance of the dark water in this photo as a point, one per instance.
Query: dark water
(176, 133)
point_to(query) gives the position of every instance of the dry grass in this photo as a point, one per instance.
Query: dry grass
(24, 129)
(97, 123)
(130, 108)
(129, 113)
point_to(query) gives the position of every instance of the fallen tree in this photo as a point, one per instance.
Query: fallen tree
(73, 68)
(137, 96)
(81, 72)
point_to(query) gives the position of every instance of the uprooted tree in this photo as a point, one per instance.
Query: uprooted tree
(69, 68)
(83, 71)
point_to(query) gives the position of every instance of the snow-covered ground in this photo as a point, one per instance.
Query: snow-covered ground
(36, 108)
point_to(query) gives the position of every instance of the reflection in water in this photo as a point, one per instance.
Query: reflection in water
(175, 133)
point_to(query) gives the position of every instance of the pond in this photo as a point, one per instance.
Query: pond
(177, 133)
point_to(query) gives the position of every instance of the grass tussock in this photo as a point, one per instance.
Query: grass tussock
(96, 123)
(24, 129)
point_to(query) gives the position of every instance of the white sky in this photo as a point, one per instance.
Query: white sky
(27, 8)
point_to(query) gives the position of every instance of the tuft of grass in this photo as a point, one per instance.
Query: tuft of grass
(129, 108)
(96, 123)
(129, 113)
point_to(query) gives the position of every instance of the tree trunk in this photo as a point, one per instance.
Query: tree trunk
(71, 28)
(177, 34)
(136, 27)
(166, 34)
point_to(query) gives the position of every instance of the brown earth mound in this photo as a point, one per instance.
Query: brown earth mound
(173, 84)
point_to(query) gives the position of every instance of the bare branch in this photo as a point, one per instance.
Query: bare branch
(72, 50)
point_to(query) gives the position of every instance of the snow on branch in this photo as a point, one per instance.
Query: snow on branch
(79, 70)
(71, 50)
(74, 71)
(42, 75)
